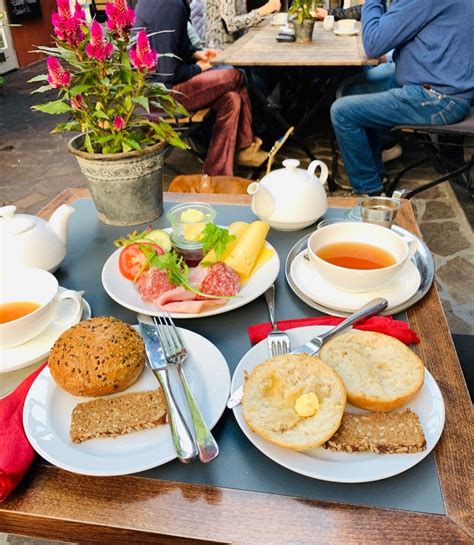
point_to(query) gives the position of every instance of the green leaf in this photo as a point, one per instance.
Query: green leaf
(88, 143)
(55, 107)
(217, 238)
(132, 143)
(143, 102)
(42, 89)
(126, 147)
(78, 89)
(98, 114)
(39, 77)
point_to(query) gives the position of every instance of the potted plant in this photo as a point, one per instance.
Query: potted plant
(100, 75)
(303, 19)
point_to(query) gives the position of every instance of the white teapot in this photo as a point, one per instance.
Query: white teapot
(290, 198)
(31, 241)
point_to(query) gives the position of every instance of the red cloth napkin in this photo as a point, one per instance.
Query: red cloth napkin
(16, 453)
(379, 324)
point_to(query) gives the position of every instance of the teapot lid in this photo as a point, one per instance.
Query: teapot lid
(290, 171)
(15, 223)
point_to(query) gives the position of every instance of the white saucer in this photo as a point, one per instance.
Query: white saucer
(346, 32)
(38, 348)
(314, 286)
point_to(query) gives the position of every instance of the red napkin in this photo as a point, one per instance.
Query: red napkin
(16, 453)
(379, 324)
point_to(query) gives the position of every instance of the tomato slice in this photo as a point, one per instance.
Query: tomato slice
(132, 259)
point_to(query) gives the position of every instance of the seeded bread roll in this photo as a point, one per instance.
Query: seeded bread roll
(271, 392)
(379, 372)
(97, 357)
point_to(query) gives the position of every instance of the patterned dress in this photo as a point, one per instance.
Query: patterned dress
(227, 20)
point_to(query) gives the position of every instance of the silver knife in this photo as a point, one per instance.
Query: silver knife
(372, 308)
(182, 439)
(312, 347)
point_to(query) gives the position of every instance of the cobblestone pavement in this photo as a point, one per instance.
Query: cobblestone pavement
(35, 166)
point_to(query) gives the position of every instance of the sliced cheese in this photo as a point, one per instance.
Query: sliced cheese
(265, 255)
(237, 229)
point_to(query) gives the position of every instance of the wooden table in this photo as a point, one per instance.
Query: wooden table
(55, 504)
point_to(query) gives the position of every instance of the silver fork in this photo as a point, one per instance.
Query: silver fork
(277, 340)
(176, 353)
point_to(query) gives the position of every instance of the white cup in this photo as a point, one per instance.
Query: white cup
(328, 23)
(358, 280)
(346, 25)
(35, 286)
(280, 18)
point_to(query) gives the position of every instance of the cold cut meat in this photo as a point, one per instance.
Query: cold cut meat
(221, 281)
(153, 283)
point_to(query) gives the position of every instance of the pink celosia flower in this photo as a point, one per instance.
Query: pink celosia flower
(99, 48)
(67, 26)
(57, 76)
(120, 17)
(77, 102)
(142, 55)
(119, 123)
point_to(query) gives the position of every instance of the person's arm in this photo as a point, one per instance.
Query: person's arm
(234, 22)
(382, 32)
(354, 12)
(194, 37)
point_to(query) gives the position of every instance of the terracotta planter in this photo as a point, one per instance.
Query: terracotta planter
(127, 188)
(304, 31)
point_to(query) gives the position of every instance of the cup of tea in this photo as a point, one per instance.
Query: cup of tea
(29, 302)
(379, 210)
(359, 257)
(346, 25)
(280, 18)
(328, 23)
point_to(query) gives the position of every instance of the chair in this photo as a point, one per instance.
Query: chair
(98, 10)
(202, 183)
(437, 140)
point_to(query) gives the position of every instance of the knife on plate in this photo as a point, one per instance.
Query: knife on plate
(312, 347)
(182, 439)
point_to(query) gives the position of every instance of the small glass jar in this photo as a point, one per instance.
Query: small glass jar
(188, 220)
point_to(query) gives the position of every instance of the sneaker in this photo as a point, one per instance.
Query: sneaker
(252, 156)
(391, 153)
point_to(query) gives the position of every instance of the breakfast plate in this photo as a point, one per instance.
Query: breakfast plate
(314, 286)
(125, 293)
(47, 416)
(344, 467)
(422, 259)
(37, 349)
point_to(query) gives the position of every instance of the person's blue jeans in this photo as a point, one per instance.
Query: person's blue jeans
(355, 117)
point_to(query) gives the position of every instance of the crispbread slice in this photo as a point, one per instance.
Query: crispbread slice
(109, 417)
(390, 433)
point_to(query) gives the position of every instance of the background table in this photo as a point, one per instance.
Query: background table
(60, 505)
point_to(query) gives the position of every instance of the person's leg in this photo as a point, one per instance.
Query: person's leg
(353, 115)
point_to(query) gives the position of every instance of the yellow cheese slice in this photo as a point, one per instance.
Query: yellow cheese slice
(244, 255)
(265, 255)
(237, 229)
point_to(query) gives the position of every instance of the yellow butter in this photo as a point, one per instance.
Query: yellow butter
(307, 404)
(192, 214)
(193, 220)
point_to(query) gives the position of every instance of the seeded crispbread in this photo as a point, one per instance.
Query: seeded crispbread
(379, 372)
(113, 416)
(97, 357)
(390, 433)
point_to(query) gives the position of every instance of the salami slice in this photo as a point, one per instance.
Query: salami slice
(221, 280)
(153, 283)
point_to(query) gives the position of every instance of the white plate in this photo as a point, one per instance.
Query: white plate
(125, 293)
(314, 286)
(38, 348)
(48, 408)
(346, 32)
(344, 467)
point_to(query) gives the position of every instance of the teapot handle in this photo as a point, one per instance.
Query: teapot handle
(324, 171)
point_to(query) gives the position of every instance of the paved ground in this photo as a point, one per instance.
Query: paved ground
(35, 166)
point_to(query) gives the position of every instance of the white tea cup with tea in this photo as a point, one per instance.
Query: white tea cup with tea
(328, 23)
(359, 257)
(346, 25)
(29, 302)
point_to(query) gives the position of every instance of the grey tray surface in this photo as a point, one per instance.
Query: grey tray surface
(422, 259)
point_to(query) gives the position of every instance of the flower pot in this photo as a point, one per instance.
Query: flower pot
(304, 31)
(127, 188)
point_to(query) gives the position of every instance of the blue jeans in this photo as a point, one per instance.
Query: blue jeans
(355, 117)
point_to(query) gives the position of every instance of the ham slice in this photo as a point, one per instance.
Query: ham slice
(181, 300)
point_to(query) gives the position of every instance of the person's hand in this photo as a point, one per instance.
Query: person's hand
(205, 55)
(270, 7)
(382, 59)
(204, 65)
(320, 13)
(211, 53)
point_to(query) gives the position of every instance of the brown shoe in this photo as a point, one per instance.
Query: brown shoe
(252, 156)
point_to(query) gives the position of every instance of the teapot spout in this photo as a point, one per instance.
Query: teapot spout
(59, 221)
(263, 202)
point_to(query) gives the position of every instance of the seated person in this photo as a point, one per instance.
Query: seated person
(433, 84)
(190, 73)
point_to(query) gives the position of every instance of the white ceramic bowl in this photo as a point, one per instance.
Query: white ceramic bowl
(356, 280)
(36, 286)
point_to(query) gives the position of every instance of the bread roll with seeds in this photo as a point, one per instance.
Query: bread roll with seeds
(271, 392)
(97, 357)
(379, 372)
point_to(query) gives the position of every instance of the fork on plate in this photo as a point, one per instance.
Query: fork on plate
(278, 341)
(176, 353)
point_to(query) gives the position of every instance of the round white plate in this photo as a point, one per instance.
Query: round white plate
(348, 32)
(125, 293)
(38, 348)
(313, 285)
(344, 467)
(48, 408)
